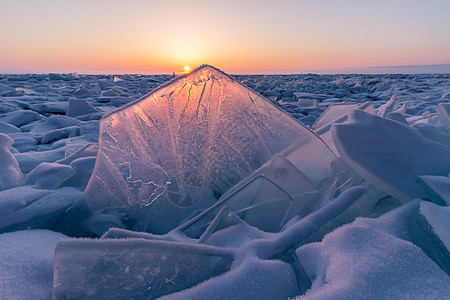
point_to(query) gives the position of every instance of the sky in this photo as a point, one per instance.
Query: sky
(237, 36)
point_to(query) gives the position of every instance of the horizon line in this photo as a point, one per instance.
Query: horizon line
(440, 68)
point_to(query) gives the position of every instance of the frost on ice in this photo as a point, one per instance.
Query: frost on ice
(180, 148)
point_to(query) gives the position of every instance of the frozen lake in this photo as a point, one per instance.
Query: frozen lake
(208, 187)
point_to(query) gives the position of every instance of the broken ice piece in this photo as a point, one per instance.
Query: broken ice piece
(437, 187)
(132, 268)
(334, 112)
(389, 154)
(49, 175)
(179, 149)
(438, 218)
(387, 108)
(79, 107)
(263, 199)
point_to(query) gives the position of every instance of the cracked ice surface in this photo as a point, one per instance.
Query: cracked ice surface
(180, 148)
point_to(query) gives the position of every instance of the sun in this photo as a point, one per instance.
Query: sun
(187, 68)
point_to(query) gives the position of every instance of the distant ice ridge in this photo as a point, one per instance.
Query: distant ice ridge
(278, 233)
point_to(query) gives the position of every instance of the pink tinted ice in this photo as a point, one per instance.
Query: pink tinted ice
(181, 147)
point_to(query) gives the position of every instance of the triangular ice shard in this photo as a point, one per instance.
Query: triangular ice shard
(178, 149)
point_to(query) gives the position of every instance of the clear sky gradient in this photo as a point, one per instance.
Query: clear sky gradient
(238, 36)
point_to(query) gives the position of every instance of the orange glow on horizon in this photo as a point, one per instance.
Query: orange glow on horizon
(233, 36)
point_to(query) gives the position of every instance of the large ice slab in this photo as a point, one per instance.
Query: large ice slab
(390, 154)
(180, 148)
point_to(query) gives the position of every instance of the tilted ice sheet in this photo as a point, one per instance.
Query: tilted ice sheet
(389, 154)
(183, 146)
(132, 268)
(334, 112)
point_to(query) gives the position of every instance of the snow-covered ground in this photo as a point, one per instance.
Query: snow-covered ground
(359, 213)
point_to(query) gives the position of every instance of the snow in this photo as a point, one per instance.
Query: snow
(26, 264)
(356, 261)
(254, 279)
(255, 205)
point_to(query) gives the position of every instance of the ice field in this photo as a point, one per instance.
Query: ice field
(208, 186)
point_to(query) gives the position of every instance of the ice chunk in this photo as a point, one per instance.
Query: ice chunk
(389, 154)
(396, 116)
(10, 174)
(180, 148)
(82, 92)
(387, 108)
(52, 123)
(304, 102)
(109, 92)
(26, 264)
(443, 110)
(140, 268)
(437, 187)
(439, 219)
(83, 167)
(23, 141)
(334, 112)
(8, 128)
(34, 208)
(4, 89)
(264, 199)
(79, 107)
(15, 198)
(87, 150)
(19, 118)
(433, 132)
(53, 107)
(232, 232)
(29, 160)
(58, 134)
(49, 175)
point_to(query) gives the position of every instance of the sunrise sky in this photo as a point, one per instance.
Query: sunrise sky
(111, 36)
